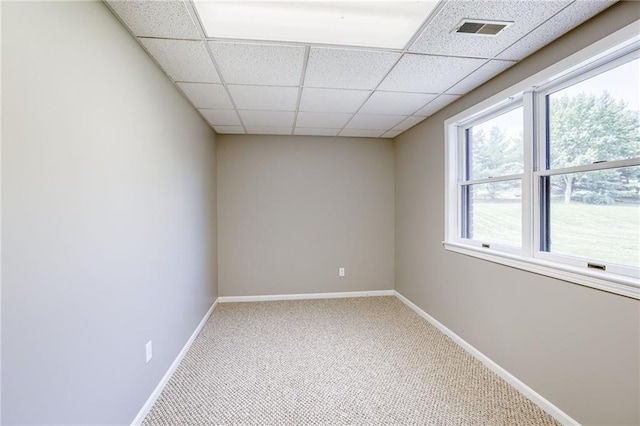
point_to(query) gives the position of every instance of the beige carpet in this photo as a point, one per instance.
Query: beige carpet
(365, 361)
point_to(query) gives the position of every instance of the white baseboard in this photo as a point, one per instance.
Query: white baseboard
(538, 399)
(165, 379)
(338, 295)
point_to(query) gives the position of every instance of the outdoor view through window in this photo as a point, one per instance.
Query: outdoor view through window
(595, 213)
(586, 177)
(495, 152)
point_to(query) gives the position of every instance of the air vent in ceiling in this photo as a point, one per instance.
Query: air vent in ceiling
(475, 26)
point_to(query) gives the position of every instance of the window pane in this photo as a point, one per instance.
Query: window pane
(597, 119)
(494, 212)
(495, 148)
(597, 215)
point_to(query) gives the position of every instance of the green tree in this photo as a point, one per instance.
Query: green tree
(585, 129)
(493, 154)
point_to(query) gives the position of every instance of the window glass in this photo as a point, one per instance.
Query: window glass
(597, 119)
(494, 212)
(596, 215)
(495, 147)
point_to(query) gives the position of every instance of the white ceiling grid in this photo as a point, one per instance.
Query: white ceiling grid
(183, 60)
(570, 17)
(437, 38)
(336, 100)
(322, 120)
(272, 87)
(264, 98)
(204, 95)
(260, 64)
(348, 68)
(224, 117)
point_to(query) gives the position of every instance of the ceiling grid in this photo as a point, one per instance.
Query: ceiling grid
(302, 76)
(271, 86)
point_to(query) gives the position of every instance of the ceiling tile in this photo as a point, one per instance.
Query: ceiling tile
(183, 60)
(347, 68)
(204, 95)
(261, 64)
(163, 19)
(374, 121)
(408, 123)
(271, 98)
(360, 133)
(332, 100)
(428, 74)
(391, 133)
(436, 105)
(398, 103)
(388, 91)
(306, 131)
(566, 20)
(439, 37)
(221, 117)
(479, 76)
(322, 119)
(267, 118)
(268, 130)
(229, 129)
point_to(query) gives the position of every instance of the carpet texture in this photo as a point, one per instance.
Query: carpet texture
(365, 361)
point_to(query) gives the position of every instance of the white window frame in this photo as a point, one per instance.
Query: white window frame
(512, 103)
(531, 92)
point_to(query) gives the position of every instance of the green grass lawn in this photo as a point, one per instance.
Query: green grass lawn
(607, 233)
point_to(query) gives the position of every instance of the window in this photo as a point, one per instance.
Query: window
(493, 168)
(589, 176)
(547, 178)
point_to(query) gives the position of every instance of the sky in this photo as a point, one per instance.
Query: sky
(622, 82)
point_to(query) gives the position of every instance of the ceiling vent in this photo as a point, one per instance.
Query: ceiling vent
(475, 26)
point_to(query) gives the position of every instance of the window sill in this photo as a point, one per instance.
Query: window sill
(617, 284)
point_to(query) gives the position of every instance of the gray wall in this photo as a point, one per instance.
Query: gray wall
(292, 209)
(109, 236)
(108, 217)
(577, 346)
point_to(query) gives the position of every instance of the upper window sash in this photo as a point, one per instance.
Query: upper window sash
(509, 104)
(576, 76)
(463, 128)
(590, 69)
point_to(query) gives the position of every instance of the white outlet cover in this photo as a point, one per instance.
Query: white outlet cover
(341, 272)
(149, 351)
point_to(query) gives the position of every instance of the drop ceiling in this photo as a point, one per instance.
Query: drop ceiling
(271, 83)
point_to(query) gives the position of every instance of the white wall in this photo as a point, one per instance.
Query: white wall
(292, 209)
(576, 346)
(108, 217)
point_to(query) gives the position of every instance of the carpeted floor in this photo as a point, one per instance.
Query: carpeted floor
(365, 361)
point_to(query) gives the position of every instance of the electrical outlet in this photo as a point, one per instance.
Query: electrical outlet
(149, 350)
(341, 272)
